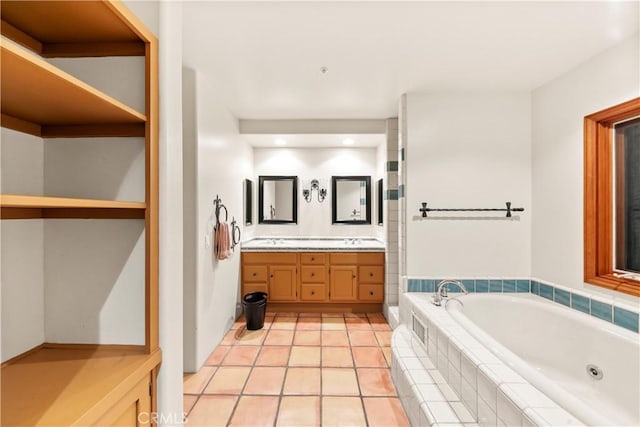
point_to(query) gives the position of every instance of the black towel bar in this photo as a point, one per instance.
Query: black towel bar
(424, 209)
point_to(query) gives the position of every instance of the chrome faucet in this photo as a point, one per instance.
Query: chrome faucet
(441, 290)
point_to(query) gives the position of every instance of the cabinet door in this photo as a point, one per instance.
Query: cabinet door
(343, 283)
(282, 283)
(132, 410)
(254, 287)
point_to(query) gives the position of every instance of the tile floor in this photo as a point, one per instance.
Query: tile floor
(306, 369)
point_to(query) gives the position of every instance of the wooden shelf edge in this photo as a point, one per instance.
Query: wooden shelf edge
(44, 202)
(11, 49)
(608, 281)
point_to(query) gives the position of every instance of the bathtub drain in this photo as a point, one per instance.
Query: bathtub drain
(594, 372)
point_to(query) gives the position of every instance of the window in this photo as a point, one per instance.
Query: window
(612, 198)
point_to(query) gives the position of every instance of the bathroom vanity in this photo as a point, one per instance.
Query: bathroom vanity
(316, 274)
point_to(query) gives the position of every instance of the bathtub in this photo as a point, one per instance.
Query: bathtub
(589, 367)
(521, 360)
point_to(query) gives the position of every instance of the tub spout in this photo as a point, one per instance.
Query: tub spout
(441, 290)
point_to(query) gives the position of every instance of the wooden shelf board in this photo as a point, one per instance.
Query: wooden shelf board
(68, 28)
(70, 384)
(44, 202)
(36, 92)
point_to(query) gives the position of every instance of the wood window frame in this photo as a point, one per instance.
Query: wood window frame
(598, 197)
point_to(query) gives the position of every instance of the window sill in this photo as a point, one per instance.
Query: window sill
(609, 281)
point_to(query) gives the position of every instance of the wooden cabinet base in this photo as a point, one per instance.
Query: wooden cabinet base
(325, 307)
(65, 385)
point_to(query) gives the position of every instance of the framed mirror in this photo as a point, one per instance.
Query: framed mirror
(278, 200)
(380, 194)
(248, 202)
(351, 199)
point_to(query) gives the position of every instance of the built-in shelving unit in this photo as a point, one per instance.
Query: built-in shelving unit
(82, 383)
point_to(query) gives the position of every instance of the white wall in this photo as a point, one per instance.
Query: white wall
(22, 247)
(468, 151)
(558, 109)
(314, 218)
(222, 161)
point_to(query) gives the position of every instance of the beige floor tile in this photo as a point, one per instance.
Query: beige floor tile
(375, 382)
(218, 355)
(368, 357)
(362, 339)
(354, 315)
(333, 324)
(379, 325)
(287, 314)
(255, 411)
(211, 411)
(299, 411)
(228, 380)
(230, 337)
(304, 381)
(188, 400)
(384, 338)
(342, 411)
(339, 382)
(311, 315)
(241, 355)
(286, 323)
(306, 338)
(309, 324)
(273, 356)
(279, 337)
(357, 324)
(265, 380)
(387, 354)
(385, 412)
(336, 357)
(335, 338)
(304, 356)
(332, 315)
(195, 383)
(246, 337)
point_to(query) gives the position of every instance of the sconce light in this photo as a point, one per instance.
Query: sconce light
(315, 185)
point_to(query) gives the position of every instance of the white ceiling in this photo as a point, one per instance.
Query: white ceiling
(264, 58)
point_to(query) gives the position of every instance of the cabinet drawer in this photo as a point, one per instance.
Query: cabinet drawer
(254, 273)
(269, 257)
(312, 274)
(375, 258)
(254, 287)
(371, 274)
(371, 293)
(312, 292)
(344, 258)
(312, 258)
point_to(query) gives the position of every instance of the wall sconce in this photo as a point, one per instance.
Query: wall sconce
(315, 185)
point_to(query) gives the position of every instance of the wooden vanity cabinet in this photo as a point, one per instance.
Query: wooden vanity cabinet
(275, 273)
(315, 277)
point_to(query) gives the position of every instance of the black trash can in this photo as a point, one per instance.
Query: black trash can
(255, 306)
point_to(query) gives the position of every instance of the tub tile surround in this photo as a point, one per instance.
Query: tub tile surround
(619, 313)
(451, 379)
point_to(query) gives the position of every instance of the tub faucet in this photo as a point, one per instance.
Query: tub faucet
(441, 290)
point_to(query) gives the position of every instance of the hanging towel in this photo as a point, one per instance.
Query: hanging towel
(222, 241)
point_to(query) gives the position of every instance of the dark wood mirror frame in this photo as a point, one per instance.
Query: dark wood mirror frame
(380, 202)
(294, 199)
(334, 194)
(248, 202)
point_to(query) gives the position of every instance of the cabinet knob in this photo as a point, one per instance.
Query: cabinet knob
(254, 274)
(271, 276)
(370, 274)
(354, 276)
(313, 274)
(313, 259)
(371, 293)
(313, 292)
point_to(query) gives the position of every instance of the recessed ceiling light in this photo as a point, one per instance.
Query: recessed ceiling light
(348, 141)
(280, 141)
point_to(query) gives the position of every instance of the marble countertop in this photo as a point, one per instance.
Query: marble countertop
(292, 244)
